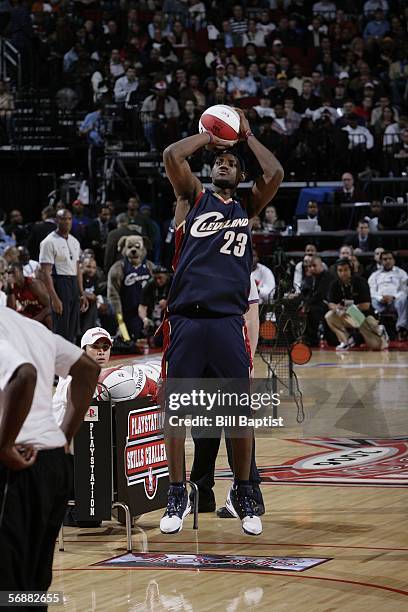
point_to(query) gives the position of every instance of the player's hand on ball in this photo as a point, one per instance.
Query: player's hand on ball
(244, 124)
(219, 143)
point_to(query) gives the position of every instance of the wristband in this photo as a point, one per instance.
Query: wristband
(211, 137)
(248, 133)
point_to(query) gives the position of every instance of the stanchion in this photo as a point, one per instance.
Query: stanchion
(129, 522)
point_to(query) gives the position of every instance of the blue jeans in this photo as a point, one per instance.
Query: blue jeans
(399, 305)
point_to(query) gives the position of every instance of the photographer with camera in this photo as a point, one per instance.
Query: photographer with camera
(346, 291)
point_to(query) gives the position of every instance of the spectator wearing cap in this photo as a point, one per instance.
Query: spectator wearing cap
(220, 76)
(159, 114)
(282, 90)
(125, 85)
(153, 302)
(377, 27)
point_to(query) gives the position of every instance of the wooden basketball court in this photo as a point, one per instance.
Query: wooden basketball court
(362, 529)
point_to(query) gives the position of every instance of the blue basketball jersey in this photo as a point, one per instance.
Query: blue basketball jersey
(213, 258)
(135, 278)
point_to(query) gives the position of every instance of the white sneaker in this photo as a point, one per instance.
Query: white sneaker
(240, 503)
(345, 346)
(178, 507)
(385, 339)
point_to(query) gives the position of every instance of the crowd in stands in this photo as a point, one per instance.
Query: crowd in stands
(116, 244)
(324, 83)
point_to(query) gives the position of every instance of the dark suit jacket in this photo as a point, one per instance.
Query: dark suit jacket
(317, 295)
(371, 244)
(39, 231)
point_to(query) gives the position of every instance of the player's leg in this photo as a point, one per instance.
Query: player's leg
(183, 358)
(231, 360)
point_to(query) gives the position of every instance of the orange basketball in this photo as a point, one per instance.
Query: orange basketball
(300, 353)
(267, 330)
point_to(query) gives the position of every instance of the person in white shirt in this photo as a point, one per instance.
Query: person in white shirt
(325, 9)
(59, 259)
(35, 473)
(389, 291)
(264, 278)
(125, 84)
(264, 108)
(96, 343)
(358, 135)
(372, 5)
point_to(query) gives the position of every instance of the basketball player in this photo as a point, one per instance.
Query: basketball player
(204, 333)
(206, 449)
(35, 474)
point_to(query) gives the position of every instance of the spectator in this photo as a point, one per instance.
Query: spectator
(271, 222)
(348, 191)
(388, 288)
(193, 92)
(116, 68)
(159, 114)
(16, 227)
(349, 290)
(153, 303)
(264, 279)
(268, 80)
(377, 27)
(28, 295)
(281, 124)
(79, 220)
(310, 250)
(360, 138)
(315, 300)
(126, 84)
(40, 230)
(383, 103)
(137, 222)
(372, 5)
(282, 91)
(31, 267)
(325, 9)
(376, 263)
(96, 234)
(364, 241)
(264, 109)
(238, 22)
(254, 35)
(111, 251)
(313, 212)
(302, 278)
(94, 287)
(297, 80)
(307, 100)
(400, 152)
(242, 85)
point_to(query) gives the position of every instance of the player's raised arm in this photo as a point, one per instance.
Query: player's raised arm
(268, 183)
(185, 184)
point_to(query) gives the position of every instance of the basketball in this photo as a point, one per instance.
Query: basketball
(121, 384)
(221, 121)
(152, 370)
(145, 385)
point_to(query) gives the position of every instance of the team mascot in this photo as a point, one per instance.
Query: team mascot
(126, 278)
